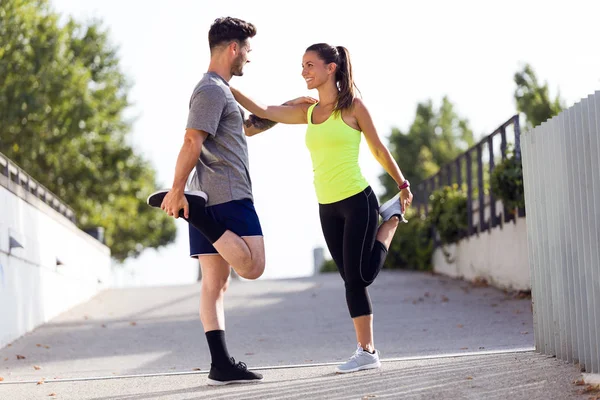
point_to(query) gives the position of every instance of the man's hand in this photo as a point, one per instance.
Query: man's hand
(173, 202)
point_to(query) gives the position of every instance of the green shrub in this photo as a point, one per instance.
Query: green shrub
(449, 213)
(507, 182)
(412, 247)
(328, 266)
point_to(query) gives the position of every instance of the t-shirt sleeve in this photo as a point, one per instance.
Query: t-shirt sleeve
(206, 108)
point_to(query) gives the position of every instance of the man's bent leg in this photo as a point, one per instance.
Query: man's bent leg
(245, 254)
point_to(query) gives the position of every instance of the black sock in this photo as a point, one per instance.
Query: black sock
(218, 349)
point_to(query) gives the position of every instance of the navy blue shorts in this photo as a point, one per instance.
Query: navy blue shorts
(238, 216)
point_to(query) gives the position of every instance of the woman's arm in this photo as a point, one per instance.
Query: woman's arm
(286, 114)
(380, 152)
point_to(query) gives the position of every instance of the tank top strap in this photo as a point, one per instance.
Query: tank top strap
(309, 113)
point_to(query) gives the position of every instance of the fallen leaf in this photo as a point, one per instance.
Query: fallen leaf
(41, 382)
(464, 348)
(518, 312)
(480, 282)
(133, 323)
(1, 379)
(86, 317)
(197, 369)
(249, 354)
(460, 326)
(6, 359)
(38, 345)
(369, 396)
(470, 378)
(9, 345)
(579, 382)
(37, 367)
(523, 295)
(494, 305)
(524, 333)
(19, 357)
(445, 299)
(46, 347)
(52, 395)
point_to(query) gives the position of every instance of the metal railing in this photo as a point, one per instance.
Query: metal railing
(485, 155)
(13, 177)
(561, 171)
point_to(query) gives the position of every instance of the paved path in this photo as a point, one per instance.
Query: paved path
(418, 317)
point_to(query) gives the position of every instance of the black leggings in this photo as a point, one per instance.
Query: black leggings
(350, 227)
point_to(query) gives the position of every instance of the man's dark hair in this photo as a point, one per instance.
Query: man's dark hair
(227, 29)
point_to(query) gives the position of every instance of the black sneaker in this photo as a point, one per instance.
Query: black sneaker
(196, 199)
(233, 373)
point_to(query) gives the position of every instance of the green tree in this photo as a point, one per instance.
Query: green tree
(436, 137)
(62, 100)
(533, 99)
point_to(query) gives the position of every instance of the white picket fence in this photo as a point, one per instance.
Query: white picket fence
(561, 169)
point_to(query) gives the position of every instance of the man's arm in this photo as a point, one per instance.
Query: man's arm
(186, 161)
(188, 157)
(254, 125)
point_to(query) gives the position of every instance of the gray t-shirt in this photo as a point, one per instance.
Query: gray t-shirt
(222, 169)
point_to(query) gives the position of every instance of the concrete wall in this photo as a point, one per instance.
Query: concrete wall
(58, 267)
(499, 255)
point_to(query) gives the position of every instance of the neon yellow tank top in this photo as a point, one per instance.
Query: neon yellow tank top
(334, 148)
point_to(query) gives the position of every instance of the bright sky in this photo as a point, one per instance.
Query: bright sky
(468, 50)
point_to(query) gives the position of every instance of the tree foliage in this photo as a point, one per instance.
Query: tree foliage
(533, 99)
(62, 103)
(436, 137)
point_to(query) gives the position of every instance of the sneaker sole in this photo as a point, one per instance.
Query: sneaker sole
(361, 368)
(384, 207)
(388, 204)
(212, 382)
(156, 198)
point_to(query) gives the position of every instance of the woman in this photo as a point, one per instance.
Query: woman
(349, 210)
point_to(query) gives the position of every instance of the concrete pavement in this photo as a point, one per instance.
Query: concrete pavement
(145, 331)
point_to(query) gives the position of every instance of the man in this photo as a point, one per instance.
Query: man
(224, 231)
(224, 228)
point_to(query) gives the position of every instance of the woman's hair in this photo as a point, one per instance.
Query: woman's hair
(343, 73)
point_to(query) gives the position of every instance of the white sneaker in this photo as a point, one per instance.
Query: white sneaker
(359, 361)
(391, 208)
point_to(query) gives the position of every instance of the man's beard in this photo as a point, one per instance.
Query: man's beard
(238, 68)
